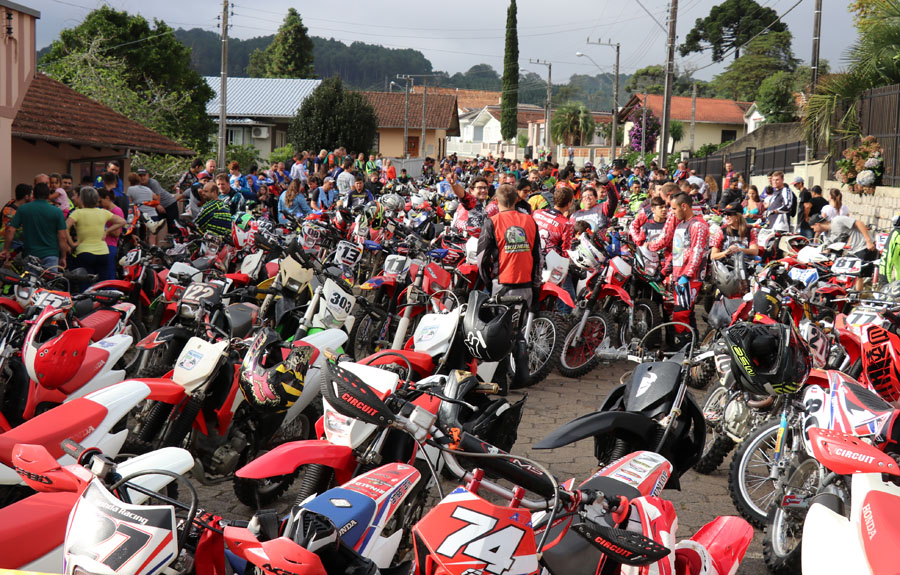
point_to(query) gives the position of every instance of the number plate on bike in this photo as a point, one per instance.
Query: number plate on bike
(395, 265)
(119, 536)
(347, 254)
(863, 315)
(198, 292)
(49, 298)
(847, 266)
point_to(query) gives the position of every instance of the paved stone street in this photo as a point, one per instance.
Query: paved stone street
(550, 404)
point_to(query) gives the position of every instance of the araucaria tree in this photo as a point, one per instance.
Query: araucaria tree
(728, 26)
(509, 99)
(332, 117)
(290, 55)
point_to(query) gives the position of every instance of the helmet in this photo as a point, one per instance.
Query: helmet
(416, 202)
(272, 374)
(392, 202)
(451, 206)
(587, 256)
(487, 328)
(730, 280)
(54, 362)
(768, 359)
(242, 221)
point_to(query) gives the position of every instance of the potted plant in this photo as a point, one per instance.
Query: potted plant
(862, 166)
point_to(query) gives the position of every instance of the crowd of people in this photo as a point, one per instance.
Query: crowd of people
(521, 210)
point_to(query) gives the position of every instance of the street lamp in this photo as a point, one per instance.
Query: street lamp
(391, 86)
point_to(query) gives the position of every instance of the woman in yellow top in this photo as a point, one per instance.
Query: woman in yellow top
(91, 251)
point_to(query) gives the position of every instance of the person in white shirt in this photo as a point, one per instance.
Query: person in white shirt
(298, 170)
(835, 205)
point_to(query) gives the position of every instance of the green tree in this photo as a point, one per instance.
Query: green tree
(831, 112)
(573, 124)
(290, 55)
(605, 130)
(652, 80)
(332, 117)
(155, 63)
(676, 133)
(803, 75)
(509, 98)
(728, 26)
(776, 98)
(763, 57)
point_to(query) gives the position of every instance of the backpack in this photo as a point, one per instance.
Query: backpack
(793, 209)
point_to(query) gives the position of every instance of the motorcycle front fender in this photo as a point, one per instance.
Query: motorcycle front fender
(164, 335)
(551, 289)
(11, 305)
(635, 425)
(616, 291)
(288, 457)
(164, 390)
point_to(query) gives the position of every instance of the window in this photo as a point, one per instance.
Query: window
(376, 144)
(412, 146)
(234, 136)
(729, 135)
(280, 138)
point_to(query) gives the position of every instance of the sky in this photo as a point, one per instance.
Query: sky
(458, 35)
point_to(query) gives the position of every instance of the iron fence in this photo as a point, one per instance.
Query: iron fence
(878, 112)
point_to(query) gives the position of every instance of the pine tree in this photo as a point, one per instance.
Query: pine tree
(290, 55)
(509, 100)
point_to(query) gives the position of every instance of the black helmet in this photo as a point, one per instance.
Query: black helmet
(272, 372)
(487, 328)
(768, 359)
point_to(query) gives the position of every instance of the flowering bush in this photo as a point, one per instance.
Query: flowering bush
(634, 134)
(862, 162)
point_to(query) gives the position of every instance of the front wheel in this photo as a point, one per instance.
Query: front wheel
(718, 445)
(544, 345)
(781, 542)
(749, 480)
(577, 357)
(130, 361)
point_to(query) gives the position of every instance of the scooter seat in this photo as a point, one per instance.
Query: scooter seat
(346, 509)
(73, 420)
(33, 527)
(102, 321)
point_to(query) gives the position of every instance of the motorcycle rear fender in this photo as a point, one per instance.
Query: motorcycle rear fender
(288, 457)
(613, 290)
(11, 305)
(549, 288)
(601, 423)
(163, 335)
(831, 289)
(164, 390)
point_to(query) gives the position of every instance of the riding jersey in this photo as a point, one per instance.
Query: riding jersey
(690, 245)
(635, 230)
(508, 250)
(555, 229)
(723, 238)
(355, 199)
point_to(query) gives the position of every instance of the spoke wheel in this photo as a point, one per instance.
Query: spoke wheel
(544, 345)
(718, 445)
(781, 543)
(577, 357)
(752, 489)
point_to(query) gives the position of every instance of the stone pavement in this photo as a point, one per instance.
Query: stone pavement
(550, 404)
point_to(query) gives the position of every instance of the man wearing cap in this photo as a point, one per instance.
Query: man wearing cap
(195, 199)
(326, 196)
(803, 208)
(852, 231)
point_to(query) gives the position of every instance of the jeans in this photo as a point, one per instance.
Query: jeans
(50, 262)
(569, 286)
(805, 232)
(111, 270)
(94, 264)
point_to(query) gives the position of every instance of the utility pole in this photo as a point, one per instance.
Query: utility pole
(670, 80)
(814, 65)
(644, 126)
(223, 88)
(406, 121)
(424, 106)
(615, 122)
(410, 78)
(693, 113)
(547, 103)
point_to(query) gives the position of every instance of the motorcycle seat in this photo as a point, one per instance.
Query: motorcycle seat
(102, 321)
(241, 317)
(33, 527)
(334, 505)
(422, 363)
(722, 311)
(73, 420)
(94, 360)
(239, 279)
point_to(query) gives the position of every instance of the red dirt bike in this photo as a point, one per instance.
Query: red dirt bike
(615, 518)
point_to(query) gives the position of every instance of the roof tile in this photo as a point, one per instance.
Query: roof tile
(51, 111)
(391, 110)
(710, 110)
(466, 99)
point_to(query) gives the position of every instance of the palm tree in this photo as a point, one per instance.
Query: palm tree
(676, 132)
(573, 124)
(872, 62)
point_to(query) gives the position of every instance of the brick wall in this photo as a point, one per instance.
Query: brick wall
(877, 210)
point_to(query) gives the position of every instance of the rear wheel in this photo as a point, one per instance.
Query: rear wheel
(131, 359)
(577, 357)
(749, 482)
(718, 445)
(703, 374)
(646, 317)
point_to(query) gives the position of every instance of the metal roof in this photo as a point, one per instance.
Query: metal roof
(20, 8)
(261, 97)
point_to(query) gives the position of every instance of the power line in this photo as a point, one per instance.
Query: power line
(641, 4)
